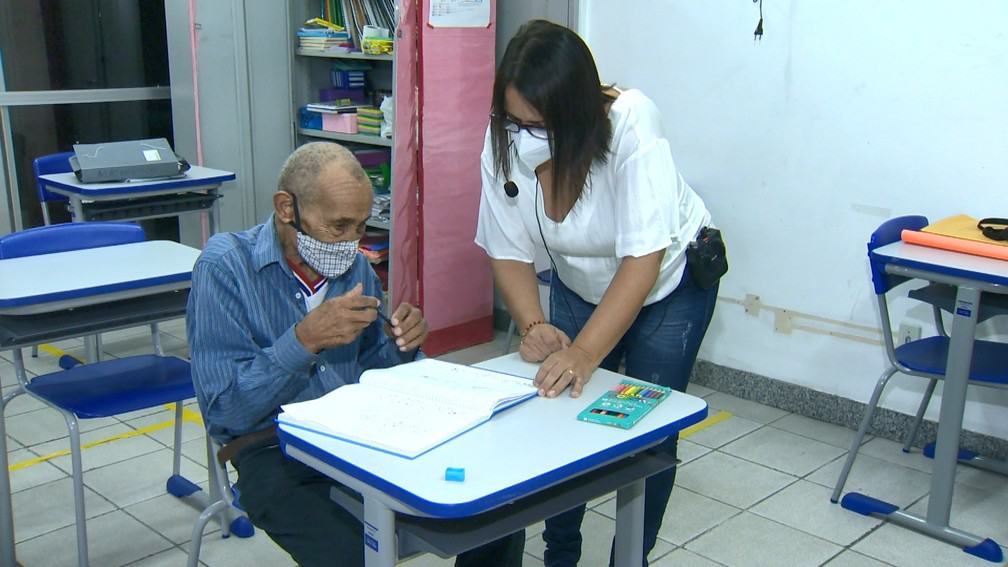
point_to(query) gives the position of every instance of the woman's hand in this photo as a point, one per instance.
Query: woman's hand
(571, 366)
(541, 341)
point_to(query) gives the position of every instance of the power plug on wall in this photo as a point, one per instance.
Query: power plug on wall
(908, 333)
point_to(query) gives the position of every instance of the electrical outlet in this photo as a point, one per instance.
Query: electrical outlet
(908, 333)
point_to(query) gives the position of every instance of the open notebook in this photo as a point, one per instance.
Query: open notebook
(411, 408)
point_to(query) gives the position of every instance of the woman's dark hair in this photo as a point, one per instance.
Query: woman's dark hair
(553, 70)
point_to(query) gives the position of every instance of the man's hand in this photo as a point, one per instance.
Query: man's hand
(409, 328)
(571, 366)
(541, 341)
(338, 321)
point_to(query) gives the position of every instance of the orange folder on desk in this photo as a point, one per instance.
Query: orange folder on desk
(958, 234)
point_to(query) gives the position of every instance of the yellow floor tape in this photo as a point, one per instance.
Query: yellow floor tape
(711, 420)
(187, 415)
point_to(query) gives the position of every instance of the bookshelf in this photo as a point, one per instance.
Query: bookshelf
(440, 79)
(312, 71)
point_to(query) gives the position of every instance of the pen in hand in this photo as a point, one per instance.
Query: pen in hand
(382, 315)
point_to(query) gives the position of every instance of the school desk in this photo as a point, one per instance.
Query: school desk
(526, 464)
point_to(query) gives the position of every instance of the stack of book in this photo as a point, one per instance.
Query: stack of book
(323, 40)
(360, 19)
(369, 120)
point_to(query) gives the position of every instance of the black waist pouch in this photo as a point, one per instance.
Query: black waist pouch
(706, 258)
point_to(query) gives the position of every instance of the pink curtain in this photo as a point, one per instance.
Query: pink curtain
(456, 78)
(405, 250)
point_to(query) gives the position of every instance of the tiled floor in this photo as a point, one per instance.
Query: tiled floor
(753, 490)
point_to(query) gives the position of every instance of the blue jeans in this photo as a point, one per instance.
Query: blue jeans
(661, 347)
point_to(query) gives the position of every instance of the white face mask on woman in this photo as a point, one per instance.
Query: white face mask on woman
(533, 147)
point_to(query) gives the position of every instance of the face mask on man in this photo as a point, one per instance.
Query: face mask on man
(329, 259)
(533, 147)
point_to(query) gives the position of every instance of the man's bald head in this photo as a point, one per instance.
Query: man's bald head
(300, 173)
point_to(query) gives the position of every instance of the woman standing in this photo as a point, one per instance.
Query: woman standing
(584, 170)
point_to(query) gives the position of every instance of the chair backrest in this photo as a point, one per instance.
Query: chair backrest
(68, 236)
(887, 233)
(44, 165)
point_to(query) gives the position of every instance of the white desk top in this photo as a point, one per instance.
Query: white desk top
(957, 264)
(50, 282)
(522, 450)
(196, 177)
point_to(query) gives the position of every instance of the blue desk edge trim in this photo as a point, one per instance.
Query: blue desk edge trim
(490, 501)
(92, 291)
(137, 187)
(940, 269)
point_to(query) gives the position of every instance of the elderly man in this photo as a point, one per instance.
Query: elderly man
(286, 312)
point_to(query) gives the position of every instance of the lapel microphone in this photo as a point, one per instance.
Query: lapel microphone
(510, 189)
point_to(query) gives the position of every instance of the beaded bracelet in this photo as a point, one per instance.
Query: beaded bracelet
(529, 327)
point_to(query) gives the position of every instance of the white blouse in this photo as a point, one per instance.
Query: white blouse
(634, 204)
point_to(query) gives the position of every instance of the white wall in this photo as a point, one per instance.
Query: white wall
(843, 115)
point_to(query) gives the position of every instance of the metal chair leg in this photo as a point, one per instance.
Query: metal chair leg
(196, 540)
(912, 436)
(222, 507)
(177, 447)
(78, 487)
(865, 424)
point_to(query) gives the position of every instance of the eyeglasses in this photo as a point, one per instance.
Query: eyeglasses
(515, 127)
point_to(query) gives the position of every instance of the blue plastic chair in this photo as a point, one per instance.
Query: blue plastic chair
(104, 388)
(68, 236)
(924, 358)
(44, 165)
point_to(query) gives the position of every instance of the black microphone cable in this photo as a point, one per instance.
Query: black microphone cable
(535, 205)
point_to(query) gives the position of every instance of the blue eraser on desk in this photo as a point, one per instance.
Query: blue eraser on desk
(454, 474)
